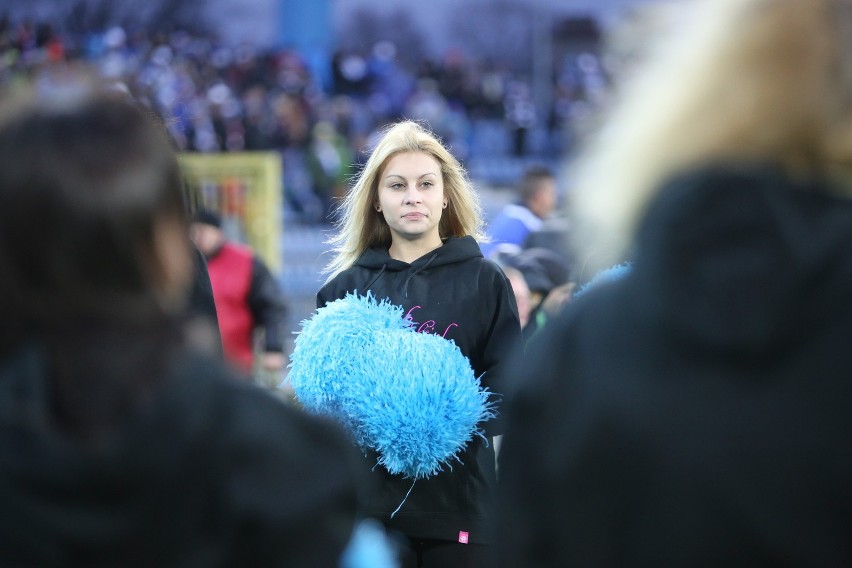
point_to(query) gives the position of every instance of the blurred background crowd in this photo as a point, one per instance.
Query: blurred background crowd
(320, 112)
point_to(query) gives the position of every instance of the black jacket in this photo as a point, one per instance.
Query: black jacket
(456, 293)
(696, 412)
(267, 306)
(209, 472)
(201, 303)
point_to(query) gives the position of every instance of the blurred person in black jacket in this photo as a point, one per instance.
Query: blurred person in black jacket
(121, 445)
(550, 283)
(696, 411)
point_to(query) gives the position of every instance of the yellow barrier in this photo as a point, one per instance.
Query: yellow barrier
(245, 188)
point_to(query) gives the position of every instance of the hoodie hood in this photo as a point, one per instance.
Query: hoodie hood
(744, 260)
(454, 250)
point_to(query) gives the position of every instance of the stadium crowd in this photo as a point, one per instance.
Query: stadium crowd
(222, 98)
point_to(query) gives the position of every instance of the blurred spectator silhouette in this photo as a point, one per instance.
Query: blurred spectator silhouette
(201, 306)
(536, 201)
(520, 112)
(523, 296)
(330, 161)
(695, 410)
(248, 299)
(122, 444)
(554, 234)
(549, 282)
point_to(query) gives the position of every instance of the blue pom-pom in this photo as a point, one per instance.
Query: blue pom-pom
(412, 397)
(369, 547)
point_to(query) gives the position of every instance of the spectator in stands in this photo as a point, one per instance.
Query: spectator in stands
(329, 161)
(695, 412)
(121, 445)
(537, 196)
(523, 296)
(520, 114)
(554, 234)
(549, 281)
(248, 299)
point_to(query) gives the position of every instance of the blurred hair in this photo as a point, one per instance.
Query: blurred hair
(361, 227)
(85, 177)
(91, 221)
(730, 80)
(530, 181)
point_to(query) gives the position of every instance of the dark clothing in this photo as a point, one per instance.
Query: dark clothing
(457, 294)
(554, 234)
(267, 306)
(201, 302)
(207, 471)
(420, 553)
(697, 411)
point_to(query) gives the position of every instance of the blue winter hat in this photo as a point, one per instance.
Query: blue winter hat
(412, 397)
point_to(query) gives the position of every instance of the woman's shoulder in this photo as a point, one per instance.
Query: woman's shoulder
(336, 286)
(491, 269)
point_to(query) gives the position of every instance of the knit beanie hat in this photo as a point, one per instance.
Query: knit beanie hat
(543, 269)
(207, 217)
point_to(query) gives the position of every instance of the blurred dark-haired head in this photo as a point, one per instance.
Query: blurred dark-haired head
(92, 223)
(537, 190)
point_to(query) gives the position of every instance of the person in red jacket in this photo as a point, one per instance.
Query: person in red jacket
(246, 294)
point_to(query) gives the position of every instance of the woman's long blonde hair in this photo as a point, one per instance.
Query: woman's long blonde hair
(360, 226)
(732, 80)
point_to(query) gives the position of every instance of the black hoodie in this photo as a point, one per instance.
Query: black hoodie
(456, 293)
(697, 411)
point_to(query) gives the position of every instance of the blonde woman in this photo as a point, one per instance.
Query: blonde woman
(408, 233)
(696, 411)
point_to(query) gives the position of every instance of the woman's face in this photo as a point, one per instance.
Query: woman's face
(411, 196)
